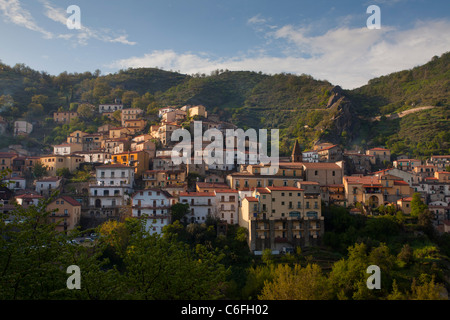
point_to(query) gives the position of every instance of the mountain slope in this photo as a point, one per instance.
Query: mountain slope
(300, 107)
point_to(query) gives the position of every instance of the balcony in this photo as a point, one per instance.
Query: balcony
(372, 191)
(281, 240)
(150, 207)
(107, 195)
(294, 214)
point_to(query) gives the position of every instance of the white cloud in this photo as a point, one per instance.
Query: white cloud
(14, 12)
(258, 19)
(344, 56)
(85, 33)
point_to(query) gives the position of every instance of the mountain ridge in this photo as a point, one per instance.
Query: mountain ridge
(303, 108)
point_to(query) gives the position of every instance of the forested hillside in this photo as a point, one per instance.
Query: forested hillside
(301, 107)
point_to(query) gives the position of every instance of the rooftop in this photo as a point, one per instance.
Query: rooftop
(69, 200)
(197, 194)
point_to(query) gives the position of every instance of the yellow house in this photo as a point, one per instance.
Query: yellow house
(135, 125)
(67, 213)
(257, 176)
(380, 154)
(404, 204)
(363, 189)
(139, 160)
(119, 132)
(76, 137)
(198, 111)
(6, 161)
(64, 117)
(374, 191)
(442, 176)
(162, 178)
(279, 217)
(55, 162)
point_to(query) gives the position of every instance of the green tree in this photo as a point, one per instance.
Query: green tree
(348, 277)
(427, 289)
(39, 99)
(406, 255)
(179, 211)
(63, 172)
(417, 205)
(256, 277)
(39, 170)
(85, 111)
(29, 255)
(117, 115)
(296, 283)
(128, 96)
(163, 268)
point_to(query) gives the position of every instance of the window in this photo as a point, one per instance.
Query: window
(316, 173)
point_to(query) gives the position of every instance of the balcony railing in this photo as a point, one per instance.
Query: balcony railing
(372, 191)
(150, 207)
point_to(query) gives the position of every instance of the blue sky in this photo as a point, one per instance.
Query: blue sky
(326, 39)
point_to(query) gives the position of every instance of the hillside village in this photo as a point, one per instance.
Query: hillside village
(126, 171)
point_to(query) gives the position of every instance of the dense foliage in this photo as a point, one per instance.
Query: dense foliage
(297, 105)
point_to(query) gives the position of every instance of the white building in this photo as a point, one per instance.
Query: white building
(109, 107)
(46, 186)
(227, 205)
(22, 127)
(115, 175)
(201, 204)
(153, 205)
(15, 183)
(107, 196)
(114, 183)
(94, 156)
(28, 199)
(310, 156)
(67, 148)
(165, 110)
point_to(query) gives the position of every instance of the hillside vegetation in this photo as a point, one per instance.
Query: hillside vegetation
(301, 107)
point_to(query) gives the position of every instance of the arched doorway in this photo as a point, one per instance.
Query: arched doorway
(373, 202)
(98, 203)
